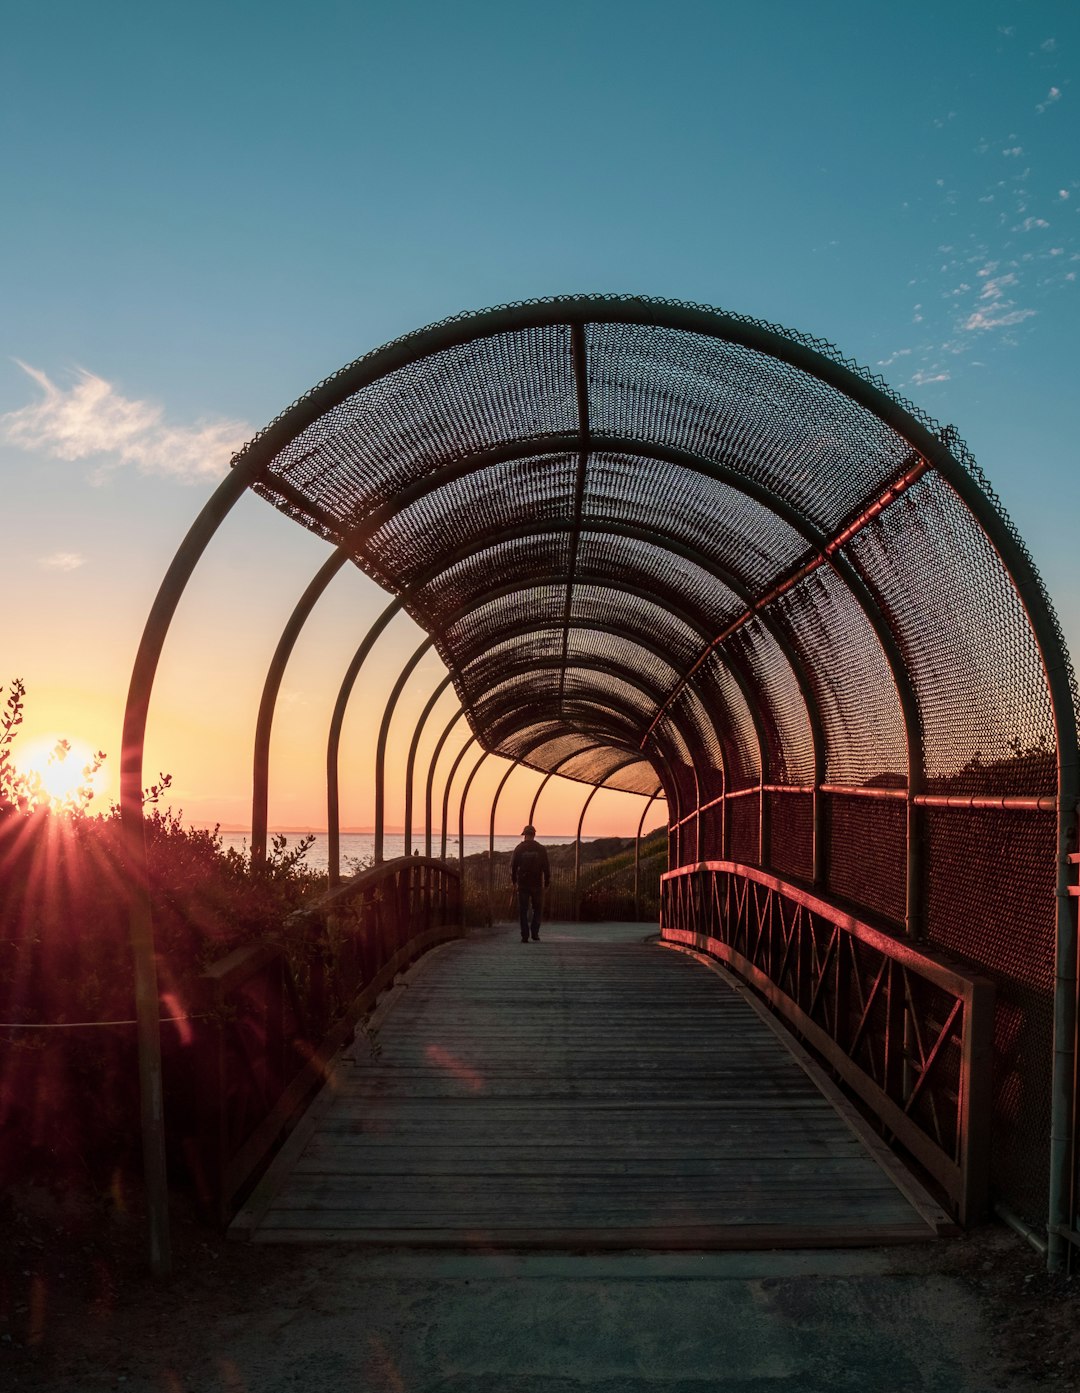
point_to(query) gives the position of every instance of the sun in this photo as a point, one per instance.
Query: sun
(57, 765)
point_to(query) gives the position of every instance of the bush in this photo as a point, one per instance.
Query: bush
(68, 1085)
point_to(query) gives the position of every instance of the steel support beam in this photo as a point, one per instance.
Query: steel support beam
(461, 813)
(260, 778)
(637, 858)
(380, 748)
(410, 764)
(431, 779)
(333, 740)
(577, 840)
(446, 791)
(140, 916)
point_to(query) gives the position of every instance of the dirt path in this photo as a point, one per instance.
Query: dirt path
(78, 1313)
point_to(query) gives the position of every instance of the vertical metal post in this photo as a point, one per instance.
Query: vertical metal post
(446, 791)
(260, 780)
(581, 823)
(431, 777)
(461, 807)
(380, 748)
(491, 841)
(410, 763)
(637, 857)
(141, 925)
(333, 741)
(461, 825)
(1064, 1088)
(577, 852)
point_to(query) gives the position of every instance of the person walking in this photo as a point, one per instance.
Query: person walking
(530, 872)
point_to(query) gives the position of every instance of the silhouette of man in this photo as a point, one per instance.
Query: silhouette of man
(531, 873)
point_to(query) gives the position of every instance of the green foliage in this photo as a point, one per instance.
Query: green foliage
(24, 792)
(68, 1097)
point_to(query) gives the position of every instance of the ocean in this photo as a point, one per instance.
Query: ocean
(360, 846)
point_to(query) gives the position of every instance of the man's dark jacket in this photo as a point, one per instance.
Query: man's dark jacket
(529, 866)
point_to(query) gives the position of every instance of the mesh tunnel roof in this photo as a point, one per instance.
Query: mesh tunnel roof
(649, 529)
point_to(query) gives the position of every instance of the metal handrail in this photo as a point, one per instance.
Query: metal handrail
(857, 1008)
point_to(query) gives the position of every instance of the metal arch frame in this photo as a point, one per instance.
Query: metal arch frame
(333, 739)
(260, 776)
(730, 663)
(774, 343)
(251, 463)
(657, 651)
(410, 763)
(428, 825)
(637, 857)
(659, 760)
(551, 773)
(515, 764)
(577, 839)
(432, 574)
(380, 747)
(820, 545)
(461, 808)
(612, 669)
(632, 678)
(664, 541)
(446, 790)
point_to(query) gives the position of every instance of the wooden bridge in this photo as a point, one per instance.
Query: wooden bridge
(695, 557)
(544, 1096)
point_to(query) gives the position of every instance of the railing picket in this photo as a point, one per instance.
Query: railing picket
(808, 959)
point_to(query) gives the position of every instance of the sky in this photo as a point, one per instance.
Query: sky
(209, 208)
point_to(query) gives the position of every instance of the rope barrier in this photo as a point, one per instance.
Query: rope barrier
(82, 1025)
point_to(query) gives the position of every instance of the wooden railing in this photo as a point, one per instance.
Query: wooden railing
(906, 1029)
(277, 1010)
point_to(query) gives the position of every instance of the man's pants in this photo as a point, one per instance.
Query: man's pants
(535, 895)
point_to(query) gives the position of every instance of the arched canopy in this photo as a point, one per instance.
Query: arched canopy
(544, 481)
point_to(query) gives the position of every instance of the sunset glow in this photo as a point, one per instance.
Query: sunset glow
(59, 766)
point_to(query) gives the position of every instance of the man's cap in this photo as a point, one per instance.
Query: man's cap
(529, 831)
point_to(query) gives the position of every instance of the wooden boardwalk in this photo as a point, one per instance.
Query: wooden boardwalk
(591, 1090)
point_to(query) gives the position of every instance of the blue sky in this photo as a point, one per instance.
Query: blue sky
(211, 207)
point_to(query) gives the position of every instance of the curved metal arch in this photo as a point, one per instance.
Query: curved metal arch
(260, 776)
(808, 357)
(333, 739)
(660, 760)
(380, 747)
(433, 573)
(410, 763)
(906, 695)
(574, 754)
(637, 857)
(461, 806)
(446, 791)
(695, 319)
(657, 650)
(431, 777)
(665, 541)
(577, 839)
(611, 669)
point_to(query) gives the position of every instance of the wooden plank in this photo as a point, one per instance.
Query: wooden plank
(597, 1093)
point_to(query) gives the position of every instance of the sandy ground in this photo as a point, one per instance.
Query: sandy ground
(77, 1311)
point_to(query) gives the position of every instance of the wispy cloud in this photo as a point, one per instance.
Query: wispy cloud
(1054, 95)
(996, 317)
(62, 561)
(91, 419)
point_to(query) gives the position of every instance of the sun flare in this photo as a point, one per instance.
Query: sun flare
(58, 765)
